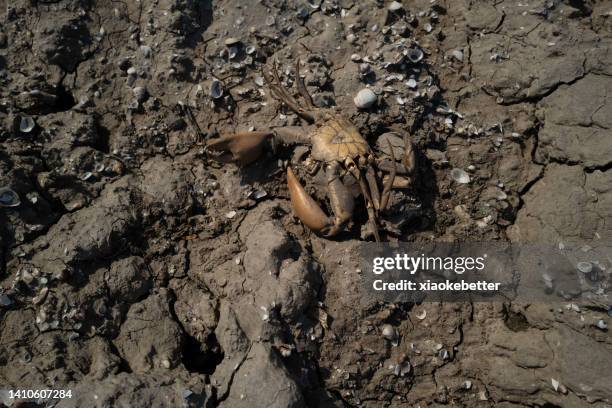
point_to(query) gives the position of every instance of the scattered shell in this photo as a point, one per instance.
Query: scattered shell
(250, 49)
(166, 363)
(232, 52)
(231, 41)
(460, 176)
(259, 194)
(467, 384)
(414, 55)
(230, 214)
(390, 334)
(365, 99)
(86, 176)
(422, 314)
(457, 54)
(5, 300)
(428, 28)
(402, 369)
(585, 267)
(601, 324)
(8, 198)
(411, 83)
(131, 71)
(270, 20)
(27, 124)
(259, 81)
(216, 89)
(355, 57)
(395, 6)
(557, 386)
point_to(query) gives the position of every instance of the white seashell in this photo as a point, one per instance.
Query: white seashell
(250, 49)
(389, 332)
(460, 176)
(365, 99)
(601, 324)
(422, 314)
(411, 83)
(230, 214)
(457, 54)
(27, 124)
(395, 6)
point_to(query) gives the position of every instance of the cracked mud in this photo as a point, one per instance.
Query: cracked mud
(137, 272)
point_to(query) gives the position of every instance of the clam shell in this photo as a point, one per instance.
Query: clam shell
(414, 55)
(27, 124)
(9, 198)
(460, 176)
(365, 99)
(216, 89)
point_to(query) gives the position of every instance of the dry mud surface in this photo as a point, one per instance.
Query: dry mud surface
(138, 273)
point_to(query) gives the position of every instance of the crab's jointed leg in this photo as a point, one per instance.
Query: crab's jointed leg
(281, 93)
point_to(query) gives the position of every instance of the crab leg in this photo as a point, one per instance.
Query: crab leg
(302, 87)
(389, 184)
(367, 197)
(279, 91)
(309, 212)
(373, 185)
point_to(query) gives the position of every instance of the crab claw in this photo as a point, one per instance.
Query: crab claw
(306, 209)
(243, 148)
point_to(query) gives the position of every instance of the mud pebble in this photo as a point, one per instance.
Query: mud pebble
(146, 51)
(460, 176)
(5, 300)
(9, 198)
(365, 99)
(585, 267)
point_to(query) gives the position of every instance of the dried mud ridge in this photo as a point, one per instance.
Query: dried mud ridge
(138, 274)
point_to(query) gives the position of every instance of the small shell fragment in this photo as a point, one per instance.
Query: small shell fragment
(601, 324)
(231, 41)
(216, 89)
(365, 99)
(460, 176)
(395, 6)
(9, 198)
(422, 314)
(457, 54)
(414, 55)
(27, 124)
(231, 214)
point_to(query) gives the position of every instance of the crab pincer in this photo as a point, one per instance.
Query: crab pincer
(242, 148)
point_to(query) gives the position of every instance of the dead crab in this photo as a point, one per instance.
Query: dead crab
(336, 144)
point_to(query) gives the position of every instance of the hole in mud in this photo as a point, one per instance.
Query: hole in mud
(197, 361)
(65, 99)
(516, 322)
